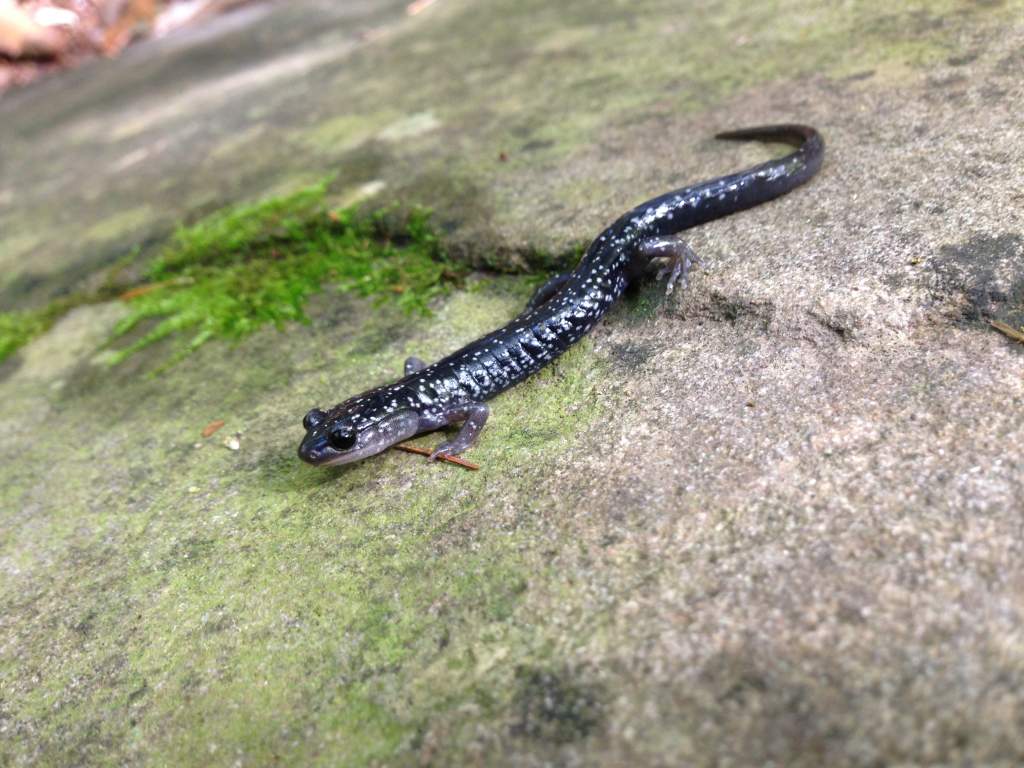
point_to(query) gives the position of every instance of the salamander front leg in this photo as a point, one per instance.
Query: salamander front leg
(473, 417)
(681, 258)
(413, 364)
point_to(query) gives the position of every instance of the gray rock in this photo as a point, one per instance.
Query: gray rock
(775, 519)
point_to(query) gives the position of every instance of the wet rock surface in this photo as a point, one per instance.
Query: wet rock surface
(774, 518)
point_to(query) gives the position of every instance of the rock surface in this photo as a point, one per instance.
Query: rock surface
(775, 519)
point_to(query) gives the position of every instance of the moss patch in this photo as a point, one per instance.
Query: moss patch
(257, 264)
(18, 328)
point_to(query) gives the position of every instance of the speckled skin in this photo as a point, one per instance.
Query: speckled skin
(453, 389)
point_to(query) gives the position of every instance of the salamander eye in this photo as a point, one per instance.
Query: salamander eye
(313, 419)
(341, 438)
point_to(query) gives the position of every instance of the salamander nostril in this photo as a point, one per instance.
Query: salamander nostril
(313, 419)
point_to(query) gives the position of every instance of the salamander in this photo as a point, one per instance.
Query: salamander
(454, 389)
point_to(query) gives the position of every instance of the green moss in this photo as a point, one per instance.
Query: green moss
(19, 328)
(257, 264)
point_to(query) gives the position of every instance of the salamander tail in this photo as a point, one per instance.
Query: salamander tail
(809, 143)
(699, 203)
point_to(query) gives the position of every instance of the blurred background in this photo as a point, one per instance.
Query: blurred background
(41, 36)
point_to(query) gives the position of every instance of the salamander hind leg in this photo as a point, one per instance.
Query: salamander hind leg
(413, 365)
(547, 290)
(473, 417)
(681, 258)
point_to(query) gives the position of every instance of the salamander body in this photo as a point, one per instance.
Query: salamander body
(455, 388)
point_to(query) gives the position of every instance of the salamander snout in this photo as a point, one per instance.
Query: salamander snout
(340, 439)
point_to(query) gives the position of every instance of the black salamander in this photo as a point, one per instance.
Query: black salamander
(454, 389)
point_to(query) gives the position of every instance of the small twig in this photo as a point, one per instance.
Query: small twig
(212, 427)
(142, 290)
(1008, 330)
(426, 452)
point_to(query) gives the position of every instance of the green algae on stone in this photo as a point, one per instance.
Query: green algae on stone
(120, 224)
(343, 132)
(220, 606)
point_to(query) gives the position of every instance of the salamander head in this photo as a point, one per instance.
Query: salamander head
(360, 427)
